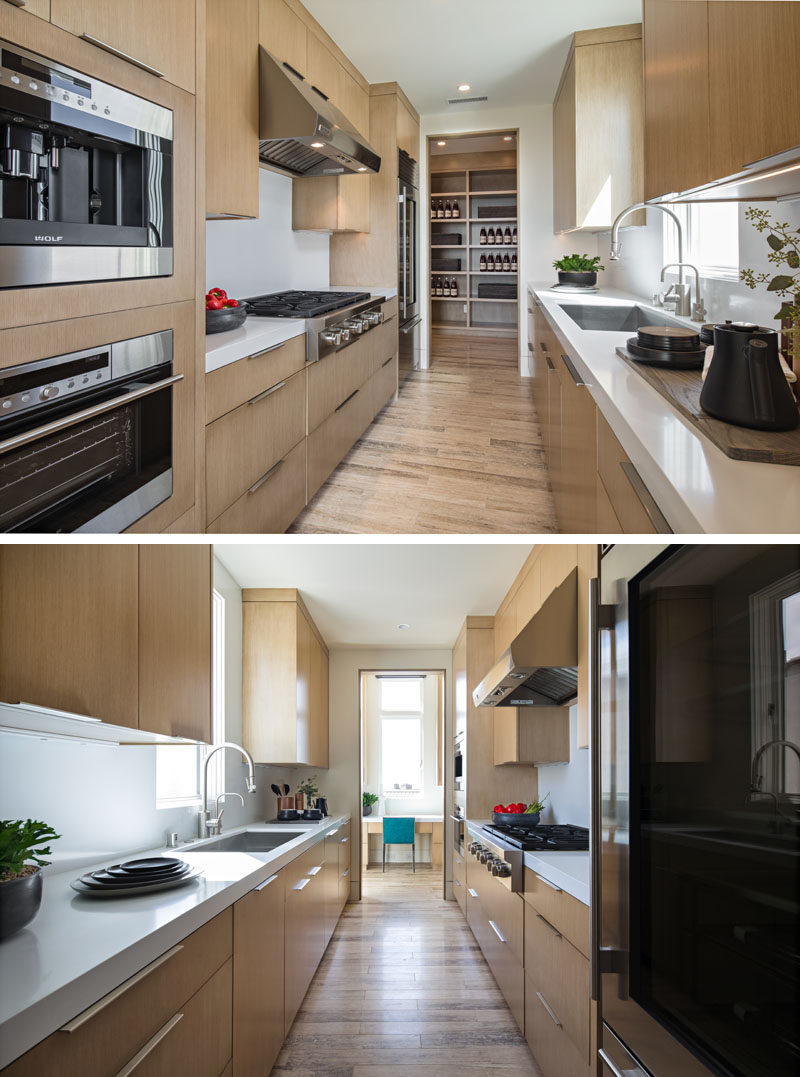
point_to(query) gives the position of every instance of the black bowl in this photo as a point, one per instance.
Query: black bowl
(220, 321)
(527, 821)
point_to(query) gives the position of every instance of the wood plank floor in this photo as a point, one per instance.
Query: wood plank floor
(402, 990)
(459, 451)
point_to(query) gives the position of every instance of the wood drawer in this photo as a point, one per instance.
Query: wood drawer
(499, 948)
(552, 1049)
(331, 442)
(632, 503)
(336, 376)
(384, 343)
(109, 1033)
(460, 882)
(272, 503)
(239, 382)
(383, 384)
(561, 973)
(562, 910)
(243, 445)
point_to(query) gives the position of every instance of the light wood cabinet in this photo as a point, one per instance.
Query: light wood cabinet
(269, 507)
(175, 584)
(258, 977)
(283, 33)
(284, 680)
(577, 506)
(345, 855)
(304, 927)
(231, 154)
(130, 30)
(323, 70)
(521, 736)
(460, 882)
(38, 7)
(331, 204)
(69, 635)
(631, 502)
(597, 129)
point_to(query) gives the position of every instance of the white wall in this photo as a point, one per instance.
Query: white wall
(568, 784)
(342, 782)
(264, 255)
(102, 799)
(538, 246)
(639, 267)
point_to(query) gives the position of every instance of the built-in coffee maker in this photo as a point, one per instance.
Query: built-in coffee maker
(85, 177)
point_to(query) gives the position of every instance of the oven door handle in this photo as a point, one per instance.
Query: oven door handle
(65, 421)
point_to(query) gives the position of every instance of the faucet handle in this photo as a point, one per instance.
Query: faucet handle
(699, 312)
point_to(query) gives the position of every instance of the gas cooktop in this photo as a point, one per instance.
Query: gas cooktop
(301, 304)
(547, 837)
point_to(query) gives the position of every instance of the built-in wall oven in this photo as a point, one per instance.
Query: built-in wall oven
(85, 177)
(86, 438)
(458, 822)
(696, 933)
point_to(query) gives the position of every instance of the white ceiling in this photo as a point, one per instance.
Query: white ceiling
(473, 144)
(358, 593)
(511, 50)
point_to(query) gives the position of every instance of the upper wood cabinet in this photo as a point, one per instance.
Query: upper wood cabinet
(284, 680)
(38, 7)
(597, 129)
(283, 33)
(157, 35)
(120, 633)
(538, 735)
(716, 93)
(232, 109)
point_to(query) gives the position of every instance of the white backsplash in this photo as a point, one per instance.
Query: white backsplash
(568, 784)
(257, 256)
(639, 267)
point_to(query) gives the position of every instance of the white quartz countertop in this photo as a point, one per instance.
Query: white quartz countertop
(696, 486)
(570, 871)
(77, 948)
(259, 333)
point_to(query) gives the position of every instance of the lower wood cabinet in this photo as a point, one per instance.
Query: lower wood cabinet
(460, 881)
(305, 940)
(258, 977)
(629, 499)
(345, 854)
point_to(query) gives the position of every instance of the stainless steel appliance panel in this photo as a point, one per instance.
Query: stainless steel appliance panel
(409, 347)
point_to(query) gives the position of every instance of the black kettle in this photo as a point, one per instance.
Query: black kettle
(745, 384)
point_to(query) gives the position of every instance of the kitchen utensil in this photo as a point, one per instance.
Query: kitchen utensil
(286, 789)
(516, 819)
(744, 384)
(286, 804)
(100, 880)
(287, 815)
(134, 891)
(276, 790)
(299, 801)
(322, 804)
(312, 814)
(153, 863)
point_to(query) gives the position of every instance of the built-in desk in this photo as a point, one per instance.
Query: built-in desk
(423, 824)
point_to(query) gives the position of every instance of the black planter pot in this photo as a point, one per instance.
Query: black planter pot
(19, 902)
(585, 280)
(367, 810)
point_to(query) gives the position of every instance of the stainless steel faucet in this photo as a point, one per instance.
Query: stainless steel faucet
(755, 777)
(209, 826)
(214, 826)
(683, 293)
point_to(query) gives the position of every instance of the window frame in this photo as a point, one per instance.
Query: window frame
(685, 211)
(419, 790)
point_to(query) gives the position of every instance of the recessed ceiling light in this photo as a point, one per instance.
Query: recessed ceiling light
(363, 168)
(464, 87)
(441, 143)
(508, 138)
(317, 145)
(403, 627)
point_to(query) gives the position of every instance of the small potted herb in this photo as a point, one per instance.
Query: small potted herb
(21, 881)
(307, 793)
(367, 800)
(578, 269)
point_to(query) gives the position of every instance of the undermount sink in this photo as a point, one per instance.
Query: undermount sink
(618, 318)
(250, 841)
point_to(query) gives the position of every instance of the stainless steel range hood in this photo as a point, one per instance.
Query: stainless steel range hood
(539, 669)
(300, 132)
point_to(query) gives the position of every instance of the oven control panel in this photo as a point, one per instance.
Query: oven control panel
(33, 384)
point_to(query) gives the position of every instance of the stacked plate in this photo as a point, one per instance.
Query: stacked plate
(665, 345)
(136, 877)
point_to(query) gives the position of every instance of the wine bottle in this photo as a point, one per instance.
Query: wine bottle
(453, 288)
(506, 264)
(456, 209)
(490, 235)
(483, 263)
(484, 238)
(433, 209)
(507, 236)
(439, 289)
(448, 209)
(440, 208)
(514, 262)
(514, 237)
(490, 264)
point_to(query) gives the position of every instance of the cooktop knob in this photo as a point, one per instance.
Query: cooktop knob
(332, 336)
(48, 392)
(503, 869)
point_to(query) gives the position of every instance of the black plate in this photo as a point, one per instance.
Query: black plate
(655, 357)
(102, 880)
(668, 338)
(152, 863)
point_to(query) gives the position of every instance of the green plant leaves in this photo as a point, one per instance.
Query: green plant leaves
(20, 841)
(780, 284)
(776, 243)
(793, 259)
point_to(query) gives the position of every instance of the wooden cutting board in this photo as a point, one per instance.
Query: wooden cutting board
(682, 389)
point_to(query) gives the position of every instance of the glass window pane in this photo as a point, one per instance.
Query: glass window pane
(176, 771)
(401, 695)
(401, 753)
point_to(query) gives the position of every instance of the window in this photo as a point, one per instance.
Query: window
(401, 695)
(401, 707)
(710, 238)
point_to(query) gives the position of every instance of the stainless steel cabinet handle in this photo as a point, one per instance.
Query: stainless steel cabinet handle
(547, 1006)
(301, 884)
(530, 346)
(604, 1057)
(572, 371)
(548, 925)
(266, 351)
(265, 884)
(645, 498)
(267, 392)
(549, 361)
(472, 893)
(349, 398)
(344, 841)
(547, 882)
(265, 478)
(87, 413)
(496, 930)
(112, 996)
(17, 3)
(150, 1045)
(404, 329)
(543, 346)
(332, 833)
(316, 870)
(345, 873)
(387, 361)
(457, 882)
(122, 55)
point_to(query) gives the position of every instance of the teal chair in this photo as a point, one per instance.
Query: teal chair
(399, 832)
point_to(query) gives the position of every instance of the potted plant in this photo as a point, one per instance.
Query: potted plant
(307, 793)
(367, 800)
(21, 881)
(578, 269)
(784, 254)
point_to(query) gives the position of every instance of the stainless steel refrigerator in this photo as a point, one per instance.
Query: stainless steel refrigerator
(408, 263)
